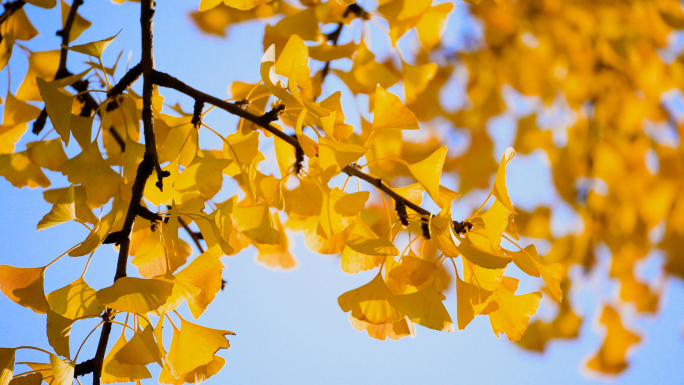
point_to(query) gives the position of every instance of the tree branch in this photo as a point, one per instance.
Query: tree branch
(334, 36)
(147, 165)
(129, 78)
(166, 80)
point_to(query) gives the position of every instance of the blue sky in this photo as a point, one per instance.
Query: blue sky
(289, 327)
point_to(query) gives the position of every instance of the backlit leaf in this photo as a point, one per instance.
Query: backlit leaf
(135, 295)
(64, 210)
(370, 303)
(95, 48)
(429, 171)
(390, 112)
(24, 286)
(194, 345)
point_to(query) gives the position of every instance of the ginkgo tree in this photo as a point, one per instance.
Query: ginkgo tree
(139, 181)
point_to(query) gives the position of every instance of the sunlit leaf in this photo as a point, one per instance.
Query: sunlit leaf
(76, 300)
(64, 210)
(429, 171)
(24, 286)
(95, 48)
(135, 295)
(194, 345)
(370, 303)
(390, 112)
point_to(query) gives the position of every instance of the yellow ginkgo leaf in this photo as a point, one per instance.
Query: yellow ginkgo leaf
(339, 210)
(412, 271)
(352, 261)
(206, 5)
(395, 330)
(24, 286)
(98, 234)
(18, 169)
(441, 232)
(612, 356)
(95, 48)
(196, 376)
(18, 111)
(242, 149)
(242, 4)
(194, 345)
(6, 46)
(182, 292)
(372, 246)
(140, 350)
(495, 221)
(276, 255)
(370, 303)
(76, 300)
(41, 65)
(204, 272)
(328, 52)
(475, 291)
(135, 295)
(416, 79)
(334, 156)
(499, 190)
(82, 129)
(293, 62)
(256, 222)
(425, 308)
(6, 365)
(58, 331)
(20, 25)
(512, 313)
(47, 154)
(58, 107)
(29, 379)
(63, 372)
(428, 172)
(479, 256)
(43, 3)
(390, 112)
(90, 170)
(268, 75)
(113, 371)
(528, 260)
(431, 25)
(200, 173)
(62, 211)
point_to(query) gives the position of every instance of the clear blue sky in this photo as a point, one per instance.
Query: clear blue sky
(289, 327)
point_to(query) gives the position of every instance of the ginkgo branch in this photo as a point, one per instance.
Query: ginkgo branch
(147, 165)
(126, 81)
(196, 120)
(165, 80)
(334, 36)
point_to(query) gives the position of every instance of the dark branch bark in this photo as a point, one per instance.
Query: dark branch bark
(129, 78)
(64, 33)
(148, 164)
